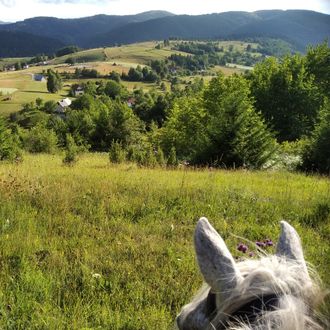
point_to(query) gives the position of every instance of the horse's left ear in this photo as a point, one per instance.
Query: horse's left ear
(289, 245)
(215, 261)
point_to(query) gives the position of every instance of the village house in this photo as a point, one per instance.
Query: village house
(62, 106)
(78, 91)
(39, 77)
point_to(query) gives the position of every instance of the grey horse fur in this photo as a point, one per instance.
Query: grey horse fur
(215, 261)
(230, 286)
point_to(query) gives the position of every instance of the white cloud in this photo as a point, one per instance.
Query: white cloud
(8, 3)
(93, 2)
(13, 10)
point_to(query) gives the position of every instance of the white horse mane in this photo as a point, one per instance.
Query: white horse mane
(273, 292)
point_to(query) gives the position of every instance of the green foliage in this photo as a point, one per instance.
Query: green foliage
(134, 74)
(316, 156)
(236, 133)
(115, 122)
(220, 127)
(54, 81)
(19, 43)
(67, 50)
(40, 140)
(172, 159)
(117, 153)
(273, 47)
(286, 95)
(113, 89)
(86, 73)
(318, 65)
(115, 76)
(184, 131)
(9, 149)
(71, 151)
(160, 157)
(70, 60)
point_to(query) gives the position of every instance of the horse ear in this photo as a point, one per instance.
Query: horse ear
(215, 261)
(289, 244)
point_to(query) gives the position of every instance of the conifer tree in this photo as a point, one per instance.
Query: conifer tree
(54, 81)
(236, 133)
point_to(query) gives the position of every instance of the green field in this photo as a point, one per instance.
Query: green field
(26, 90)
(101, 246)
(140, 53)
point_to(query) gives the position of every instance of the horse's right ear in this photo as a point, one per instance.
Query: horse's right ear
(289, 245)
(215, 261)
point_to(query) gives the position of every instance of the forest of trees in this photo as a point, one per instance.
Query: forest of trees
(276, 115)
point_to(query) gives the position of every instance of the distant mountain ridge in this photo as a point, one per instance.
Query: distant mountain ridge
(76, 30)
(299, 27)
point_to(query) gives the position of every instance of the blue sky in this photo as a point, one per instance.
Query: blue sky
(13, 10)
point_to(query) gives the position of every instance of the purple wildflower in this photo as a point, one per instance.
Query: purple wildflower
(269, 242)
(260, 244)
(242, 247)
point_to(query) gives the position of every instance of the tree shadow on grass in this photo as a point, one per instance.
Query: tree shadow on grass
(36, 92)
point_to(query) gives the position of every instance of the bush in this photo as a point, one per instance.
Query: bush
(39, 139)
(172, 158)
(71, 151)
(316, 156)
(117, 153)
(9, 148)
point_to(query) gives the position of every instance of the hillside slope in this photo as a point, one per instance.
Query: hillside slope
(16, 44)
(76, 31)
(297, 26)
(181, 26)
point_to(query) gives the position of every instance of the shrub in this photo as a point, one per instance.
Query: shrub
(39, 139)
(172, 158)
(9, 148)
(316, 156)
(160, 157)
(117, 153)
(71, 151)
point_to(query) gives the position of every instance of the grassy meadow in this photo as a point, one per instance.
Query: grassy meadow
(24, 89)
(102, 246)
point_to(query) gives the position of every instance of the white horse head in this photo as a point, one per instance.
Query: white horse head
(274, 292)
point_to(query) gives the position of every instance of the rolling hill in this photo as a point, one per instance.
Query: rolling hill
(299, 27)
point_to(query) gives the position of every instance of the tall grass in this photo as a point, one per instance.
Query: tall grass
(101, 246)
